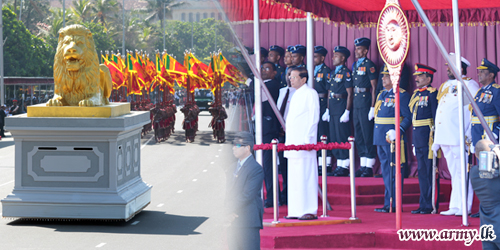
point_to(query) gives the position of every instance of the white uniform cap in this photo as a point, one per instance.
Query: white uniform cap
(452, 58)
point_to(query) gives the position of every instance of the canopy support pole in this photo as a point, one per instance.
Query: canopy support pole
(310, 50)
(257, 87)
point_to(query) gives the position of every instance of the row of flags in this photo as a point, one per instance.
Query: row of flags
(140, 74)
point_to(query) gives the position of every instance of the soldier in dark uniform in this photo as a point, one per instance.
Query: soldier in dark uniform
(298, 53)
(423, 105)
(274, 56)
(488, 100)
(321, 72)
(364, 83)
(287, 60)
(339, 106)
(384, 133)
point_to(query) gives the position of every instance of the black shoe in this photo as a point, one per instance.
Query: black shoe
(382, 210)
(359, 171)
(476, 215)
(426, 211)
(341, 172)
(416, 211)
(367, 173)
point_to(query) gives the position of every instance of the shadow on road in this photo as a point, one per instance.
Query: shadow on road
(4, 143)
(203, 138)
(150, 222)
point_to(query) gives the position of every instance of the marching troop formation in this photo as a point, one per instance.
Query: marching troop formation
(348, 98)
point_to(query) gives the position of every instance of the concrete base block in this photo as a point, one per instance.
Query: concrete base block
(77, 168)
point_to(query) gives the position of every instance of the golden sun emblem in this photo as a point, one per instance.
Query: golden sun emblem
(393, 35)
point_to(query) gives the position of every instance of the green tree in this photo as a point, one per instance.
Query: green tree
(80, 12)
(104, 10)
(102, 40)
(24, 53)
(155, 9)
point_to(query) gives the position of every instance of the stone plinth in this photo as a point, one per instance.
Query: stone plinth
(114, 109)
(80, 168)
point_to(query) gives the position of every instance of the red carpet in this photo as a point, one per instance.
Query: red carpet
(376, 230)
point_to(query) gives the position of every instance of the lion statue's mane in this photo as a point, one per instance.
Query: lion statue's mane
(89, 86)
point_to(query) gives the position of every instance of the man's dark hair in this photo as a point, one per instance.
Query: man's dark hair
(273, 65)
(494, 73)
(246, 139)
(302, 72)
(464, 68)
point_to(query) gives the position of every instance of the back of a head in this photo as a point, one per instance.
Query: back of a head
(302, 72)
(482, 145)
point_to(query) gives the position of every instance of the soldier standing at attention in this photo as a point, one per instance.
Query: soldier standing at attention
(340, 104)
(364, 83)
(321, 72)
(423, 105)
(275, 54)
(384, 134)
(447, 131)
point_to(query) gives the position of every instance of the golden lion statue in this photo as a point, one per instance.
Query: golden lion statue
(79, 80)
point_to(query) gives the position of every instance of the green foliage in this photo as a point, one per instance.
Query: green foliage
(24, 53)
(101, 38)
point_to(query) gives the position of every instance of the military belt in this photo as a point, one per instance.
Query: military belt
(323, 95)
(489, 119)
(361, 90)
(422, 123)
(386, 120)
(335, 95)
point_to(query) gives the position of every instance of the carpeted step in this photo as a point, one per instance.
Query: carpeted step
(345, 199)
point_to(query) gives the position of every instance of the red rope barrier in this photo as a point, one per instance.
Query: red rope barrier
(308, 147)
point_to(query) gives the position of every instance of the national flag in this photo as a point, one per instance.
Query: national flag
(116, 74)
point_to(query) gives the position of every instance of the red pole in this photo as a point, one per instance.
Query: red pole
(398, 159)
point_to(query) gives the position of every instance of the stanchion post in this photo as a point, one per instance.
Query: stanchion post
(274, 143)
(353, 183)
(323, 175)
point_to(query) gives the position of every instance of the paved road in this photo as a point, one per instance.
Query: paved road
(186, 210)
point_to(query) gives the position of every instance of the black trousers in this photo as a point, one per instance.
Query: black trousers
(323, 128)
(283, 168)
(267, 162)
(425, 178)
(339, 132)
(363, 133)
(386, 157)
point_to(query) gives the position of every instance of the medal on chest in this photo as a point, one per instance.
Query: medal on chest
(361, 71)
(453, 89)
(486, 97)
(423, 101)
(389, 102)
(319, 77)
(338, 78)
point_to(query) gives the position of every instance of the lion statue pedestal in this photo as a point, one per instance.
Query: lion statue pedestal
(69, 164)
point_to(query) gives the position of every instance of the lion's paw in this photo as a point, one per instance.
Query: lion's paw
(86, 103)
(54, 102)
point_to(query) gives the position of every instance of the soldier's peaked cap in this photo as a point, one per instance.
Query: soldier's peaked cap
(320, 50)
(343, 50)
(363, 41)
(301, 49)
(485, 64)
(422, 69)
(278, 49)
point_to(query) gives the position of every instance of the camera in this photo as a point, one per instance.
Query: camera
(488, 163)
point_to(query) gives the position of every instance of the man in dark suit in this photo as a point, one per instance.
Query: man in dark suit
(270, 125)
(487, 191)
(243, 196)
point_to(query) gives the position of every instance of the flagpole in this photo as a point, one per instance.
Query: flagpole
(2, 87)
(257, 87)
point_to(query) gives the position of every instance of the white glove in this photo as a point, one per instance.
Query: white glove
(391, 134)
(472, 149)
(326, 116)
(371, 114)
(414, 153)
(345, 116)
(435, 147)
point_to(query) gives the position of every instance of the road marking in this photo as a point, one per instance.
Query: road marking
(221, 145)
(195, 179)
(144, 145)
(212, 162)
(220, 149)
(180, 191)
(160, 205)
(216, 156)
(205, 170)
(101, 245)
(135, 223)
(7, 183)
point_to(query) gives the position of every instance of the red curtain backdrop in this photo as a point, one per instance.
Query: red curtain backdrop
(478, 42)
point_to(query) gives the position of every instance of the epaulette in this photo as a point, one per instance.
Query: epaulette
(496, 86)
(431, 89)
(467, 78)
(401, 90)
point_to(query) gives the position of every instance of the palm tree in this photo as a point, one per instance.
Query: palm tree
(155, 9)
(80, 11)
(104, 9)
